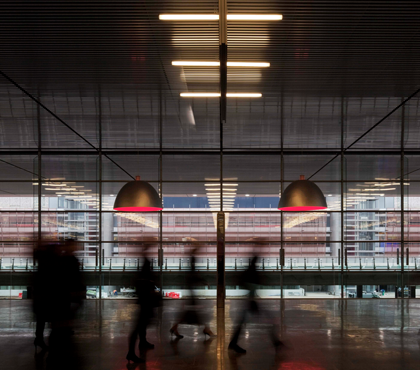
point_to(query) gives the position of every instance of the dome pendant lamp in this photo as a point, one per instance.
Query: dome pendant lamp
(138, 196)
(302, 195)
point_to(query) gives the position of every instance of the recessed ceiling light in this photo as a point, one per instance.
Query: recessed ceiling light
(244, 95)
(330, 195)
(247, 195)
(254, 17)
(200, 95)
(189, 17)
(194, 195)
(216, 95)
(215, 17)
(195, 64)
(111, 195)
(217, 64)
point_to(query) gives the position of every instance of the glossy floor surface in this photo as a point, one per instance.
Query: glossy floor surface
(318, 334)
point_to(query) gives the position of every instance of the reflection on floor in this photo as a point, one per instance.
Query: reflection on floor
(319, 334)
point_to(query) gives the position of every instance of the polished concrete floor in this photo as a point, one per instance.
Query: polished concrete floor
(319, 334)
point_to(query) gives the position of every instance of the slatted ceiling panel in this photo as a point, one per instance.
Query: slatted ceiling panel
(17, 119)
(77, 167)
(412, 124)
(190, 123)
(145, 166)
(337, 47)
(296, 165)
(362, 167)
(363, 113)
(321, 51)
(251, 168)
(190, 167)
(97, 41)
(18, 167)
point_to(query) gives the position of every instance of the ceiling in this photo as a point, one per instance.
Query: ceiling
(104, 68)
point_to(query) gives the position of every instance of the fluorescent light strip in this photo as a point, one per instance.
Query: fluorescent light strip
(216, 95)
(217, 64)
(380, 195)
(215, 17)
(379, 189)
(218, 189)
(243, 95)
(254, 17)
(224, 196)
(189, 17)
(200, 95)
(219, 185)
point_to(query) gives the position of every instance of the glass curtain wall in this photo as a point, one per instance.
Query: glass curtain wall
(366, 244)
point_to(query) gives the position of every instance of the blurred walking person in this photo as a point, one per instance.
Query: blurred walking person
(192, 315)
(43, 255)
(58, 294)
(251, 279)
(148, 298)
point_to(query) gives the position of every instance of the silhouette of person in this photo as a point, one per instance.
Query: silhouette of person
(59, 293)
(192, 315)
(43, 255)
(251, 279)
(148, 299)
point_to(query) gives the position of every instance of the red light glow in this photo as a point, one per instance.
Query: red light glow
(298, 209)
(138, 209)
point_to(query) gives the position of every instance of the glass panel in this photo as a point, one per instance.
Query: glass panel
(18, 196)
(312, 256)
(373, 256)
(77, 167)
(70, 195)
(130, 226)
(308, 165)
(145, 166)
(247, 225)
(130, 120)
(312, 122)
(251, 123)
(18, 167)
(375, 168)
(379, 196)
(304, 226)
(189, 196)
(184, 226)
(363, 113)
(19, 119)
(18, 226)
(192, 123)
(81, 226)
(251, 167)
(191, 167)
(371, 226)
(239, 255)
(411, 195)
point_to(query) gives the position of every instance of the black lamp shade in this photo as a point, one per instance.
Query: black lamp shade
(302, 195)
(138, 196)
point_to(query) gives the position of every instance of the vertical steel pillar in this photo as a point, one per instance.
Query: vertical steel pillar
(160, 252)
(342, 198)
(281, 192)
(402, 198)
(100, 194)
(221, 283)
(221, 294)
(38, 111)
